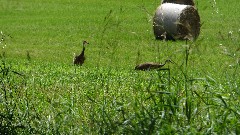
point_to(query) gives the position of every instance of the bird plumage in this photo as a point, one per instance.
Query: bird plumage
(150, 65)
(79, 60)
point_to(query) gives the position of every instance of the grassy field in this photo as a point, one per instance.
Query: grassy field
(43, 93)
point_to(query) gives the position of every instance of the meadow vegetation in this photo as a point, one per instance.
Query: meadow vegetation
(41, 92)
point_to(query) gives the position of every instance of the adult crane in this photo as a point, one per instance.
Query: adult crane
(79, 59)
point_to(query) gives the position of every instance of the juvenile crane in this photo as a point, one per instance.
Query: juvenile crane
(79, 59)
(150, 65)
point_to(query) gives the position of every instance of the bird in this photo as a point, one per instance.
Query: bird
(150, 65)
(79, 59)
(28, 56)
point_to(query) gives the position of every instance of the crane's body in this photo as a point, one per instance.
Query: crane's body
(150, 65)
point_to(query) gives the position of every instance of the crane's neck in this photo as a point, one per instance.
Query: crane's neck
(83, 46)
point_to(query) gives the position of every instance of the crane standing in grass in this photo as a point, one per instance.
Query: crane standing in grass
(150, 65)
(79, 59)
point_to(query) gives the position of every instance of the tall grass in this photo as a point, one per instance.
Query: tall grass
(43, 93)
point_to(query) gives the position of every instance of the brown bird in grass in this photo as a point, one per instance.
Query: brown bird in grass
(79, 59)
(150, 65)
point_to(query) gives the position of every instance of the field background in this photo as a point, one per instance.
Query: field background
(43, 93)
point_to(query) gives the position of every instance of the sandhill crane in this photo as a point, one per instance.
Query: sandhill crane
(150, 65)
(79, 59)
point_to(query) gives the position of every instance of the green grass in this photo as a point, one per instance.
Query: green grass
(45, 94)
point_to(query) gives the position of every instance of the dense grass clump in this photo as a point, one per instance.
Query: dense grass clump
(42, 92)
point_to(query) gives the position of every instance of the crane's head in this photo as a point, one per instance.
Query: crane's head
(85, 42)
(168, 60)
